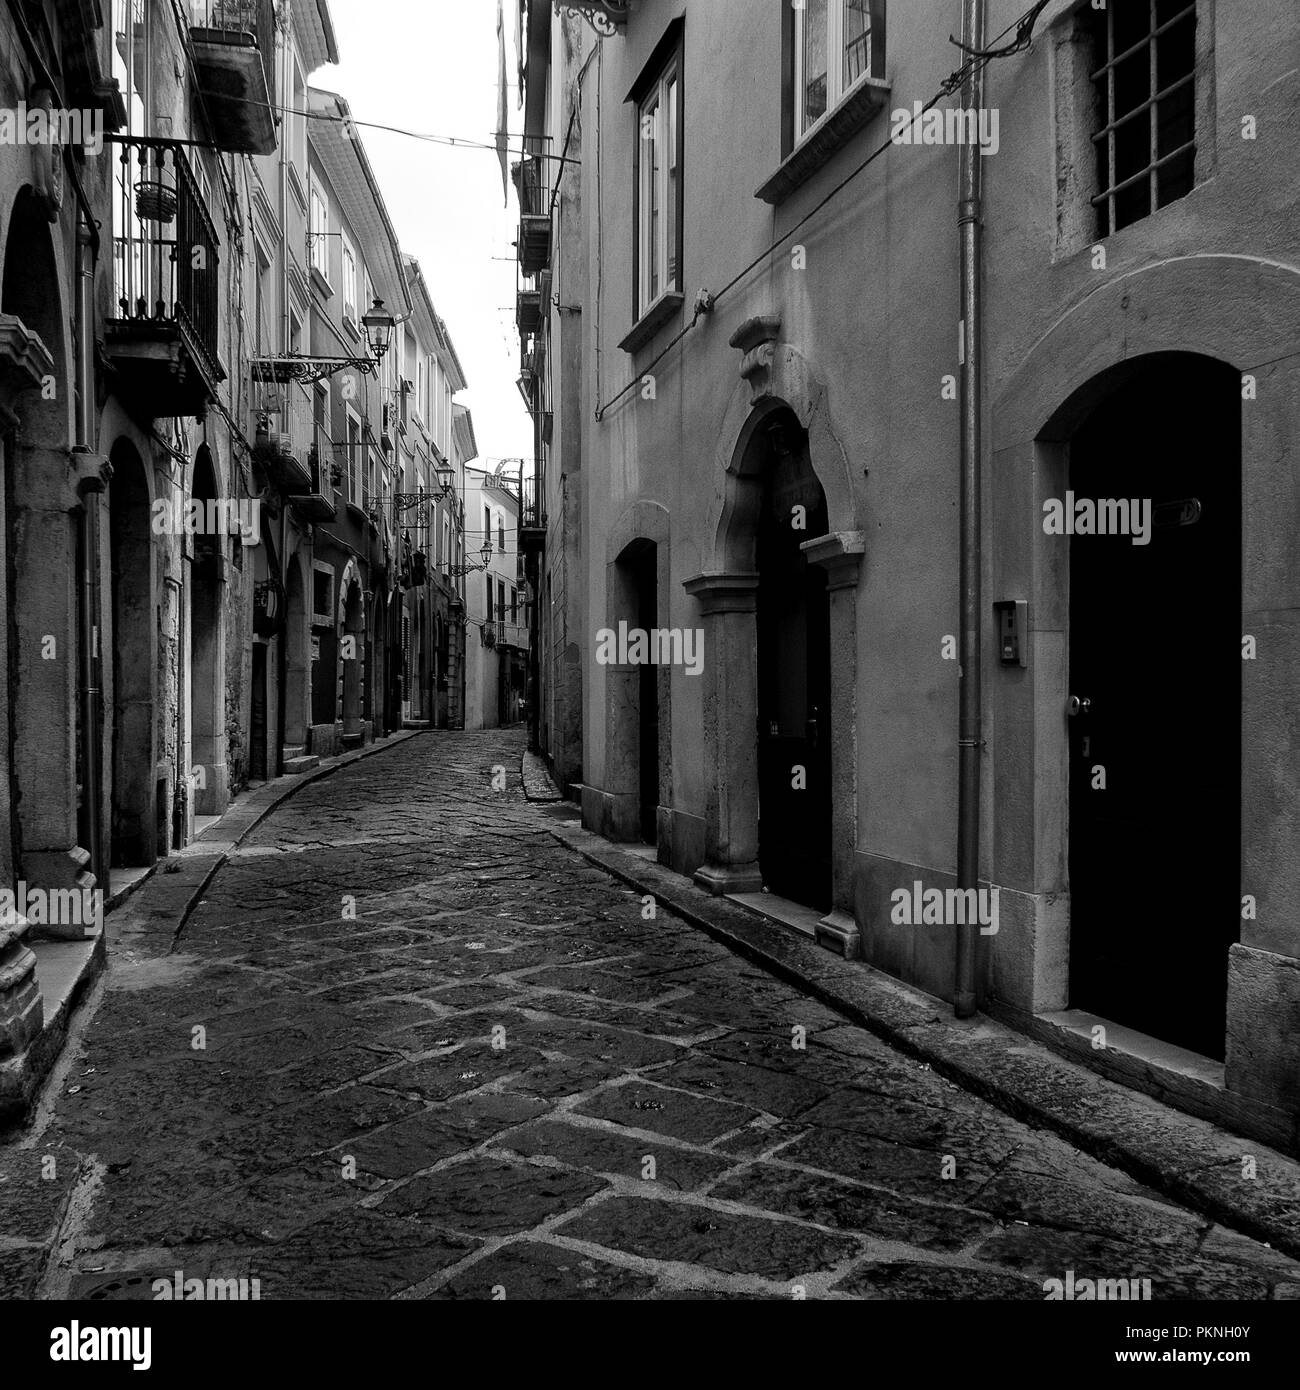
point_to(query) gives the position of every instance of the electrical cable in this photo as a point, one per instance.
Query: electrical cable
(706, 303)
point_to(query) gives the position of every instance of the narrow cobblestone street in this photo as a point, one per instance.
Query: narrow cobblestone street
(410, 1046)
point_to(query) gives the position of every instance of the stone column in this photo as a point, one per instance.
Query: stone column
(728, 604)
(840, 554)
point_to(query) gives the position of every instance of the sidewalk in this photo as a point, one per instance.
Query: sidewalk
(67, 969)
(1189, 1159)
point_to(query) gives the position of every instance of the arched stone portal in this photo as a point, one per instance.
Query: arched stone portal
(1236, 310)
(775, 378)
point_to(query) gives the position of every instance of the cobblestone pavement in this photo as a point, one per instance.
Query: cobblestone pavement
(409, 1046)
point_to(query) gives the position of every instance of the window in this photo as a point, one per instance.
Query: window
(488, 582)
(354, 458)
(320, 223)
(298, 119)
(349, 282)
(836, 44)
(322, 594)
(514, 605)
(446, 543)
(1144, 79)
(501, 533)
(658, 189)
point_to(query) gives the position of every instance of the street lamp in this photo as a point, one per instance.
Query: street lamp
(379, 325)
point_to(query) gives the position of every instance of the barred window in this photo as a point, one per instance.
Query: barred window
(1145, 84)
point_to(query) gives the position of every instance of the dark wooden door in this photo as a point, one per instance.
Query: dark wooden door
(794, 731)
(1155, 753)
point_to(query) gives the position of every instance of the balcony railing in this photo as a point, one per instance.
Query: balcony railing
(317, 504)
(234, 54)
(166, 275)
(534, 215)
(532, 512)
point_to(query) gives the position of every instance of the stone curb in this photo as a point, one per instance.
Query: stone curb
(164, 902)
(536, 777)
(1191, 1160)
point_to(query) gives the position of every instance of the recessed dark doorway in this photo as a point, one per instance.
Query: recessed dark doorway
(794, 676)
(1155, 752)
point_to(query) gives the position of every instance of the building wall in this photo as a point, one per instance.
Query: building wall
(867, 334)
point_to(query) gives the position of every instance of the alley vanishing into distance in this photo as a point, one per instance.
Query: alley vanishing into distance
(501, 1078)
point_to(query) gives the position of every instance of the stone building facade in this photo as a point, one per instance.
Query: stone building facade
(207, 575)
(764, 424)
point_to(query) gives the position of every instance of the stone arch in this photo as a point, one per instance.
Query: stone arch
(775, 377)
(132, 642)
(1239, 310)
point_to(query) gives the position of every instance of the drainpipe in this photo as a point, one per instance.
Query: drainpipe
(91, 490)
(969, 216)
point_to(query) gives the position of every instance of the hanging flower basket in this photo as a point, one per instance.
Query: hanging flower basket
(155, 201)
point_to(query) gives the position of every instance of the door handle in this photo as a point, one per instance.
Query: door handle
(1077, 705)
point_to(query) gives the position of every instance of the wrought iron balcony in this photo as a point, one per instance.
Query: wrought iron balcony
(528, 311)
(234, 58)
(166, 278)
(534, 216)
(316, 502)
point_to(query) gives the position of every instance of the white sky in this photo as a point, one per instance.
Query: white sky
(431, 66)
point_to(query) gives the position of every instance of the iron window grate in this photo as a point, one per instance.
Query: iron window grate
(1149, 70)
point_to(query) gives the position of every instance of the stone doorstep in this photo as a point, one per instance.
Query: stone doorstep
(65, 968)
(64, 971)
(1185, 1156)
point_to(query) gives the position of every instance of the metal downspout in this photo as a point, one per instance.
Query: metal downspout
(969, 215)
(91, 490)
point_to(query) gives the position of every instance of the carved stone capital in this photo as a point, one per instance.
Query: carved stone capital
(724, 593)
(25, 361)
(756, 339)
(840, 554)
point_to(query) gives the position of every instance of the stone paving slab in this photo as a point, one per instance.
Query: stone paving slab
(407, 1045)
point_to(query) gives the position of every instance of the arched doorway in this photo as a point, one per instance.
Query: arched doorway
(779, 388)
(207, 692)
(794, 671)
(1155, 672)
(133, 809)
